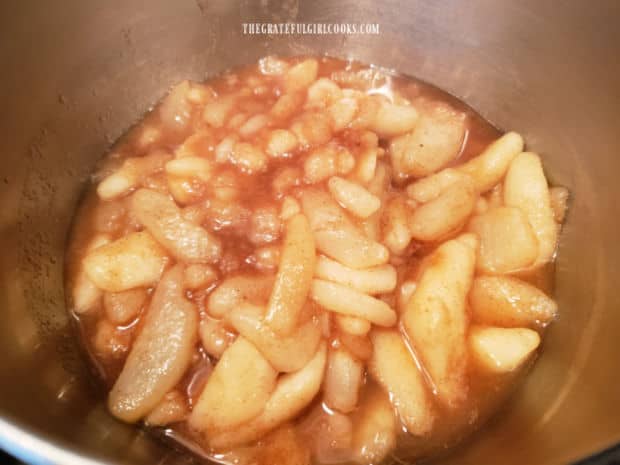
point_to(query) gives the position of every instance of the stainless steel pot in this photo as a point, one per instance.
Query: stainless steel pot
(76, 74)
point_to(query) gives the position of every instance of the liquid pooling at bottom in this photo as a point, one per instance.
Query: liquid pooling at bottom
(313, 261)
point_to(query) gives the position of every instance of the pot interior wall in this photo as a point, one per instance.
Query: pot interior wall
(77, 75)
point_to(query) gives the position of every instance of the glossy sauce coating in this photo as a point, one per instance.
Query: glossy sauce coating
(291, 145)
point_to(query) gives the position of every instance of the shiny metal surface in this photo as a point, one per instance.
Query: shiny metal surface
(77, 74)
